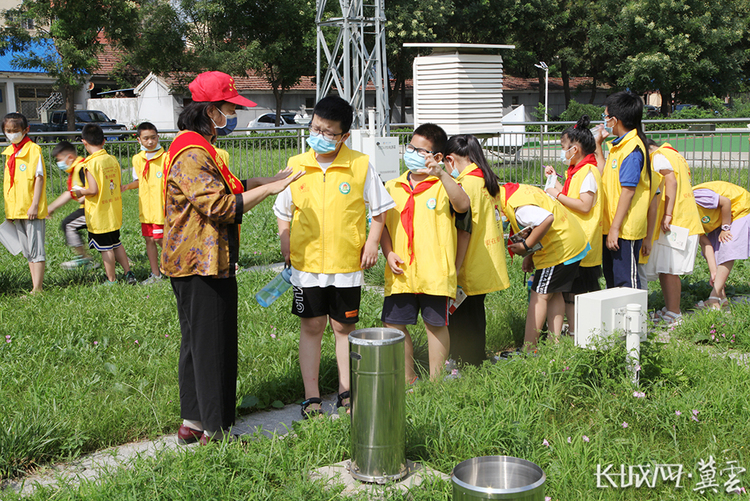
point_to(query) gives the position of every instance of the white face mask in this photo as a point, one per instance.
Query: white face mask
(14, 137)
(564, 156)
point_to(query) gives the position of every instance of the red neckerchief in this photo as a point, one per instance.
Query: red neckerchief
(189, 139)
(667, 146)
(476, 171)
(588, 159)
(72, 170)
(510, 189)
(407, 213)
(145, 168)
(12, 158)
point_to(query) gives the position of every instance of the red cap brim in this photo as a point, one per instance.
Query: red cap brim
(242, 101)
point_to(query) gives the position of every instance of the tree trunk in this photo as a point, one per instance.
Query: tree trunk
(279, 95)
(666, 102)
(593, 89)
(70, 109)
(566, 81)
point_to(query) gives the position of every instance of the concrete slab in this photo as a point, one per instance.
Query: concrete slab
(279, 421)
(338, 474)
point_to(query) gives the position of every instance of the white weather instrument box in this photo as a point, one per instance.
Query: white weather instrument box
(600, 314)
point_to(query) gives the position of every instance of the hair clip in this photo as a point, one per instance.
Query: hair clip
(575, 126)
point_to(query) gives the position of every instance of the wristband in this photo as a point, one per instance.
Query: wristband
(524, 245)
(726, 227)
(558, 195)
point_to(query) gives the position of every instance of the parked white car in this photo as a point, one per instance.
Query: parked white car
(268, 120)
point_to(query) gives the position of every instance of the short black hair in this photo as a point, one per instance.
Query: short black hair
(16, 118)
(336, 109)
(581, 134)
(194, 117)
(434, 134)
(64, 147)
(627, 107)
(145, 126)
(93, 134)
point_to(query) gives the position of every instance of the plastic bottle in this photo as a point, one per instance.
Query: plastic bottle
(275, 288)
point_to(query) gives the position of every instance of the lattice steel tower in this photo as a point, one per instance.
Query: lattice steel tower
(357, 58)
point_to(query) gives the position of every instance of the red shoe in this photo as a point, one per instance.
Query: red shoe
(187, 435)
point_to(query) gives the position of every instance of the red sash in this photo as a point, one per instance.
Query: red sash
(12, 159)
(588, 159)
(407, 214)
(190, 139)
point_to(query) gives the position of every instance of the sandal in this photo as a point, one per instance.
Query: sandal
(307, 414)
(672, 319)
(705, 305)
(340, 400)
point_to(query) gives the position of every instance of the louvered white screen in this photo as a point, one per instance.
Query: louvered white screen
(463, 93)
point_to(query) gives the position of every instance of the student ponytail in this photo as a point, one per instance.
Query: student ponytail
(581, 134)
(466, 145)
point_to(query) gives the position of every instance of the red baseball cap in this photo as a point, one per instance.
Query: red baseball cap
(213, 86)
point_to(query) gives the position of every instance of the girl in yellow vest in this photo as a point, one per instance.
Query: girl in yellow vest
(148, 177)
(581, 195)
(677, 209)
(723, 208)
(480, 254)
(419, 243)
(563, 246)
(24, 194)
(626, 181)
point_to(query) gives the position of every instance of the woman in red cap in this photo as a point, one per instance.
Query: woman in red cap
(204, 203)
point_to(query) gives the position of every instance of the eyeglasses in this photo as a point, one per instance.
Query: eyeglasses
(605, 116)
(420, 151)
(314, 131)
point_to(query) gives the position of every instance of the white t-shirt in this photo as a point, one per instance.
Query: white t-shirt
(39, 168)
(377, 199)
(149, 156)
(660, 163)
(531, 215)
(589, 184)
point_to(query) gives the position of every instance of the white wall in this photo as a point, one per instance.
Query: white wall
(158, 106)
(122, 110)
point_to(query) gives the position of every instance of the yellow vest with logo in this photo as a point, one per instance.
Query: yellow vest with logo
(433, 270)
(150, 187)
(328, 227)
(591, 222)
(634, 225)
(104, 210)
(19, 197)
(740, 198)
(564, 240)
(484, 268)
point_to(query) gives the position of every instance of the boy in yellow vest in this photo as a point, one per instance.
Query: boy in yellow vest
(419, 242)
(103, 204)
(68, 161)
(322, 225)
(24, 183)
(676, 209)
(563, 247)
(626, 180)
(148, 177)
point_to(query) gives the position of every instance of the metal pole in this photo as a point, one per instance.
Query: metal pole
(546, 95)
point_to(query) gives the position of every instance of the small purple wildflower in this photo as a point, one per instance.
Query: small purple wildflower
(678, 413)
(96, 342)
(545, 443)
(624, 424)
(569, 440)
(585, 438)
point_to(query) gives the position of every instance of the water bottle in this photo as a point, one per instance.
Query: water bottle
(275, 288)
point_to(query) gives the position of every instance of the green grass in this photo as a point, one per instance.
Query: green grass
(86, 368)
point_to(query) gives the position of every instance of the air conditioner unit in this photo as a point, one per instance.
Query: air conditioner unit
(600, 314)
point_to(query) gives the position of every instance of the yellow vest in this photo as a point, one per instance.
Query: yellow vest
(484, 268)
(685, 212)
(104, 210)
(634, 225)
(564, 240)
(591, 222)
(433, 270)
(150, 187)
(328, 227)
(18, 198)
(740, 198)
(74, 171)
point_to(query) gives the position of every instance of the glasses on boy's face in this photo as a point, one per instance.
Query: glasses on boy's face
(607, 117)
(420, 151)
(327, 135)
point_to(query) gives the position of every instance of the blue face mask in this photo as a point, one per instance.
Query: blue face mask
(321, 145)
(413, 161)
(62, 165)
(143, 148)
(229, 125)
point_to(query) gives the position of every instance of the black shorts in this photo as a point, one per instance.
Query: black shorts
(558, 278)
(403, 309)
(339, 303)
(104, 241)
(587, 280)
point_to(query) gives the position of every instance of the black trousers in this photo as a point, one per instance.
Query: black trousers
(207, 309)
(467, 328)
